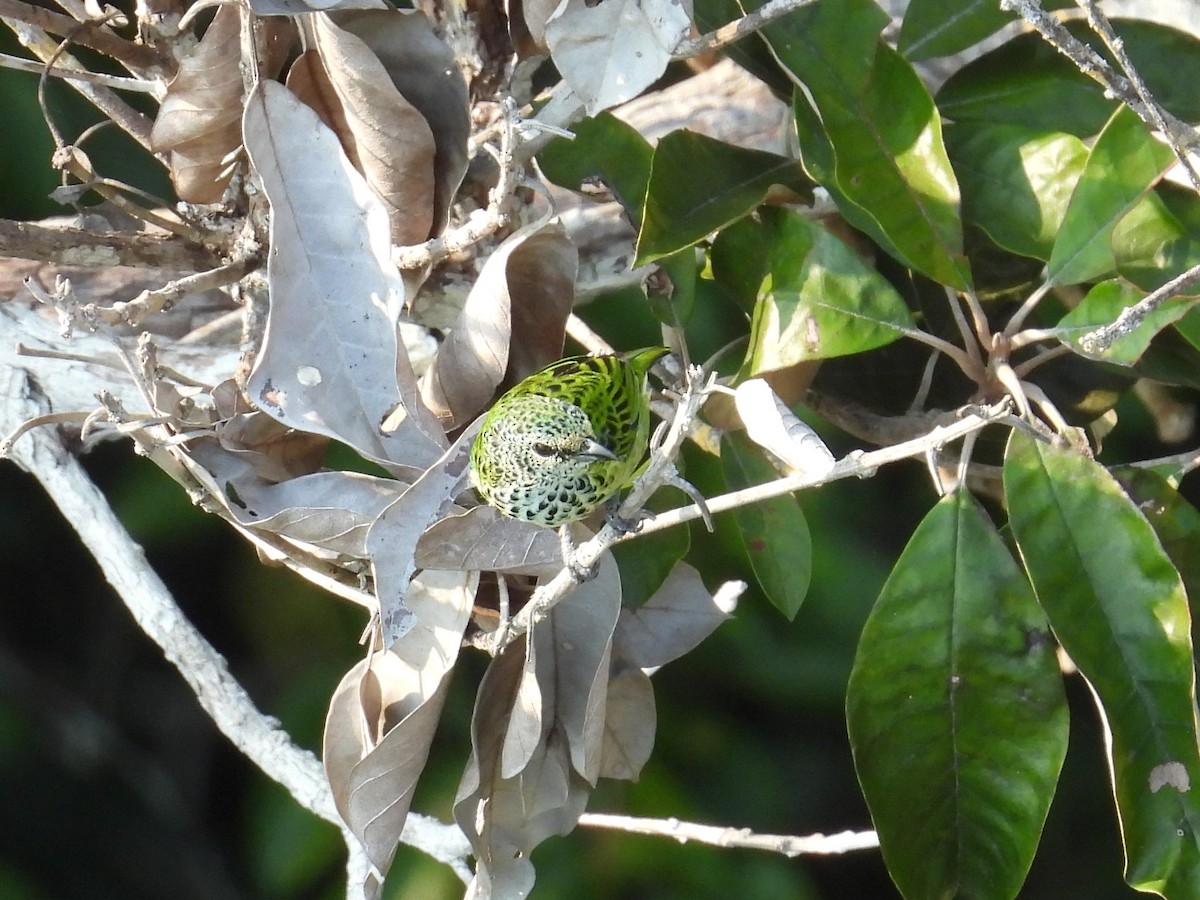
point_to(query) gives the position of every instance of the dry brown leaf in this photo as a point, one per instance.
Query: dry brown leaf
(383, 715)
(199, 122)
(331, 362)
(424, 70)
(629, 725)
(506, 818)
(676, 618)
(512, 323)
(483, 540)
(389, 140)
(392, 540)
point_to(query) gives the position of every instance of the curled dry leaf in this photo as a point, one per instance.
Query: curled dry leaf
(424, 70)
(199, 122)
(383, 715)
(388, 139)
(628, 726)
(330, 362)
(610, 52)
(276, 451)
(564, 682)
(329, 510)
(511, 325)
(506, 818)
(774, 427)
(392, 540)
(678, 616)
(483, 540)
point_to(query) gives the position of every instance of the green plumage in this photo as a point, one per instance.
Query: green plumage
(565, 439)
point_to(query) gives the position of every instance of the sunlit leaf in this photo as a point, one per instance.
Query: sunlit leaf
(774, 532)
(1016, 182)
(610, 52)
(699, 184)
(330, 363)
(1117, 605)
(1123, 165)
(820, 299)
(870, 134)
(1103, 304)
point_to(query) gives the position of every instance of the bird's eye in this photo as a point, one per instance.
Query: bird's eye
(543, 449)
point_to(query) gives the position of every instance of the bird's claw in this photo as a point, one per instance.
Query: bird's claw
(620, 524)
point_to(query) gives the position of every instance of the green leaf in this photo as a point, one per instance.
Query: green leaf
(1174, 520)
(739, 259)
(774, 532)
(698, 185)
(1016, 182)
(1123, 165)
(604, 147)
(751, 55)
(646, 561)
(1103, 304)
(956, 712)
(872, 136)
(1117, 606)
(942, 27)
(819, 299)
(1027, 82)
(1151, 245)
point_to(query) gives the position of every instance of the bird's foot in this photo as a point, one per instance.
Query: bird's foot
(620, 524)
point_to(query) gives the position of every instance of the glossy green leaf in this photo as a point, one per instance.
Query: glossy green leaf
(941, 27)
(607, 148)
(872, 135)
(819, 299)
(1117, 606)
(1103, 304)
(956, 712)
(774, 532)
(1123, 165)
(1016, 182)
(699, 184)
(1027, 82)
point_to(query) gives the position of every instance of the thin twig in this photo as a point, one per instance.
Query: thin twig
(717, 836)
(1090, 63)
(737, 29)
(116, 82)
(855, 465)
(153, 301)
(135, 57)
(112, 106)
(1100, 24)
(1132, 316)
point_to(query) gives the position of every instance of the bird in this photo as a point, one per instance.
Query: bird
(566, 439)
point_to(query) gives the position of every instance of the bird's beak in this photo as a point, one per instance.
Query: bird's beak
(596, 450)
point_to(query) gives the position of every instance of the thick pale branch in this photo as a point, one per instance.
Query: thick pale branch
(87, 247)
